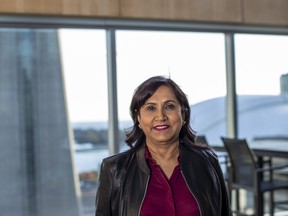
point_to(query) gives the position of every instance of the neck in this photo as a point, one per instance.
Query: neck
(166, 153)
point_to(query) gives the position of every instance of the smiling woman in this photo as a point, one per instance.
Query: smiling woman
(165, 172)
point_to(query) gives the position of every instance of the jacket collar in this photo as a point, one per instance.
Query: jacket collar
(140, 154)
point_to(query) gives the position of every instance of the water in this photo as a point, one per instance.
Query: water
(89, 160)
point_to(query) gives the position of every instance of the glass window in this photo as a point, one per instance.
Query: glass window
(196, 61)
(85, 70)
(261, 64)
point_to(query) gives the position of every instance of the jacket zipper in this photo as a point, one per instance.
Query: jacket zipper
(146, 187)
(192, 193)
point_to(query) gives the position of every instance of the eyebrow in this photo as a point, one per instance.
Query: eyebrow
(165, 102)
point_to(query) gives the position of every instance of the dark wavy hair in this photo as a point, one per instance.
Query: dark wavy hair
(134, 135)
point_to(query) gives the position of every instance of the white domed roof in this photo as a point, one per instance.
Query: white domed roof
(259, 116)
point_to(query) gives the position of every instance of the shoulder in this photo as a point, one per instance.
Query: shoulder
(209, 153)
(201, 150)
(212, 159)
(118, 158)
(205, 153)
(119, 165)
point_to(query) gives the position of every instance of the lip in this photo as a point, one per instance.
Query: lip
(161, 127)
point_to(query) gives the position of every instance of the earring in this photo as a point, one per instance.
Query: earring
(184, 122)
(139, 126)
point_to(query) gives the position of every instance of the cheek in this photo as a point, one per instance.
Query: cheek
(179, 116)
(144, 122)
(141, 121)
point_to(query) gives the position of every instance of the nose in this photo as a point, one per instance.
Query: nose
(161, 115)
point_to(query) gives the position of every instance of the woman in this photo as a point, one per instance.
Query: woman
(164, 172)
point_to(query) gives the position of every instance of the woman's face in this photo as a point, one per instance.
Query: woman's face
(160, 118)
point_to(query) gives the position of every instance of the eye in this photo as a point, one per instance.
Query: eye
(170, 107)
(150, 108)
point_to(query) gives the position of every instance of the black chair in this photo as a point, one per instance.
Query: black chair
(244, 173)
(201, 139)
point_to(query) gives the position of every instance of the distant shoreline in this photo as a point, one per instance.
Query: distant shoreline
(99, 125)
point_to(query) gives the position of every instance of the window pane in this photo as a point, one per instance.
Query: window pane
(196, 61)
(84, 64)
(261, 60)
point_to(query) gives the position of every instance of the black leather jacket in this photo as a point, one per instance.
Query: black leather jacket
(124, 179)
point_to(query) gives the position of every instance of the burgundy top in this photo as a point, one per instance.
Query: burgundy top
(169, 197)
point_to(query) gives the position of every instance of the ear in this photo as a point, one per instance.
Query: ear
(184, 115)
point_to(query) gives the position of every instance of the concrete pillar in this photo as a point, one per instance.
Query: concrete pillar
(37, 173)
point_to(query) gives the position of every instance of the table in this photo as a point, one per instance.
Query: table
(270, 148)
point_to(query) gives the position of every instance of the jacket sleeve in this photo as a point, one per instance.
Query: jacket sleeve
(226, 209)
(103, 195)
